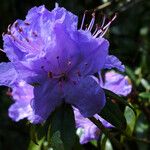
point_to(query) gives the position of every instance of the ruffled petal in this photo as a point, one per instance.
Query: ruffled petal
(47, 96)
(8, 74)
(117, 83)
(20, 110)
(92, 53)
(89, 131)
(86, 95)
(114, 62)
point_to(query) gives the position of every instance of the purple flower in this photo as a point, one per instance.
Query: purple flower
(117, 83)
(114, 82)
(89, 131)
(47, 51)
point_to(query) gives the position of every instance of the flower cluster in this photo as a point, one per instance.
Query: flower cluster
(57, 62)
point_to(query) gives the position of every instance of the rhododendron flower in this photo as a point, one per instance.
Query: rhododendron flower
(114, 82)
(58, 60)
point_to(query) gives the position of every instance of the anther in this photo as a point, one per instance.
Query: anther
(27, 39)
(57, 57)
(34, 34)
(50, 75)
(86, 64)
(20, 29)
(26, 23)
(78, 73)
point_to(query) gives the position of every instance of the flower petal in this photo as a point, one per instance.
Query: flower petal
(117, 83)
(8, 74)
(86, 95)
(20, 110)
(93, 52)
(114, 62)
(47, 96)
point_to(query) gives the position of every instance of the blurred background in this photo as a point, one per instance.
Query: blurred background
(129, 37)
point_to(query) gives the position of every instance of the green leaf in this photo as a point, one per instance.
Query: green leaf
(145, 84)
(105, 143)
(119, 99)
(38, 132)
(33, 146)
(112, 113)
(56, 142)
(62, 120)
(131, 119)
(145, 95)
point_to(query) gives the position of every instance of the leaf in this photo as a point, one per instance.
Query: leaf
(33, 146)
(145, 95)
(145, 84)
(105, 143)
(38, 132)
(62, 120)
(56, 142)
(131, 119)
(119, 99)
(112, 113)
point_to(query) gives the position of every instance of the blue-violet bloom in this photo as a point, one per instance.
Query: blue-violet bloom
(48, 52)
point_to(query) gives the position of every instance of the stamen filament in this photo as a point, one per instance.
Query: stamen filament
(2, 50)
(83, 20)
(110, 22)
(92, 22)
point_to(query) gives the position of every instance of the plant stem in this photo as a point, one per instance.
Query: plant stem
(106, 132)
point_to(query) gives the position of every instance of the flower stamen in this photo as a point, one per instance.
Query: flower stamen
(92, 22)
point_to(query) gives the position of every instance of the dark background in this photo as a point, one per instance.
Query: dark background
(129, 38)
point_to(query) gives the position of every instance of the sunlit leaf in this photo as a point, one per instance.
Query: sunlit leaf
(145, 95)
(131, 119)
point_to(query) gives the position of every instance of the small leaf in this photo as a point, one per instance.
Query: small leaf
(145, 84)
(112, 113)
(105, 143)
(62, 120)
(131, 119)
(145, 95)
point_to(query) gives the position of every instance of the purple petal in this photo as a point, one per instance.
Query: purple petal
(20, 110)
(117, 83)
(47, 96)
(22, 94)
(8, 74)
(114, 62)
(92, 52)
(89, 130)
(86, 95)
